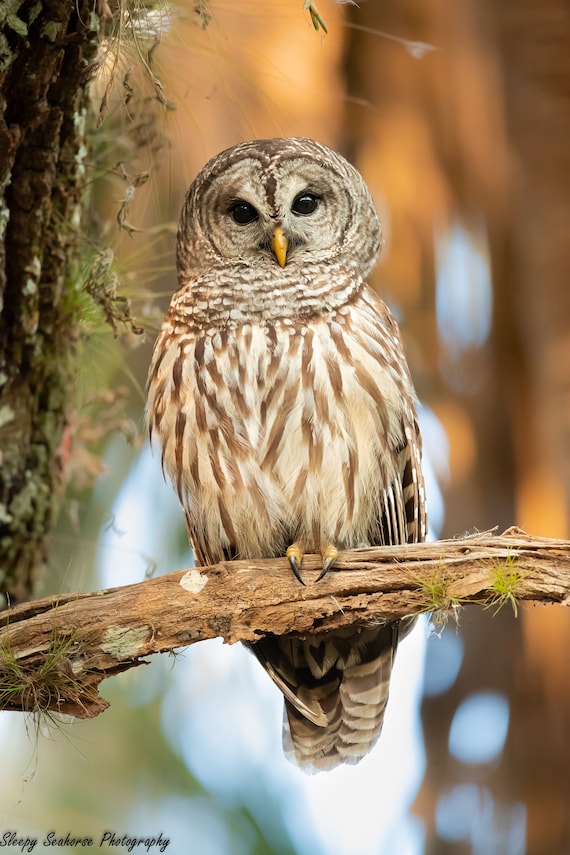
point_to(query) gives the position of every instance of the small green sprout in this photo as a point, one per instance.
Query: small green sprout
(435, 592)
(507, 580)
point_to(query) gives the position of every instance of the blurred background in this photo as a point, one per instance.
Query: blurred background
(457, 114)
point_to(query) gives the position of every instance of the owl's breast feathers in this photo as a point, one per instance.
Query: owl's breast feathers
(294, 431)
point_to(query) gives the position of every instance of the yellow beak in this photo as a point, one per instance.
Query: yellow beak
(279, 245)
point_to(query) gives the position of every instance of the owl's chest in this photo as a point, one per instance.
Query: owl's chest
(287, 404)
(280, 428)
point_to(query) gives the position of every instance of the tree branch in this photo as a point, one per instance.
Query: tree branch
(54, 652)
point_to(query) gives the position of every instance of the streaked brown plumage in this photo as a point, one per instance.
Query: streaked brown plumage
(280, 396)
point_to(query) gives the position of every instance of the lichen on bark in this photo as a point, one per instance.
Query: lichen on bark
(46, 51)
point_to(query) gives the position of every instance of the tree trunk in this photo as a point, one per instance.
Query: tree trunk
(45, 55)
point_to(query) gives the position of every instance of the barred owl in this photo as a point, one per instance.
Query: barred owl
(281, 399)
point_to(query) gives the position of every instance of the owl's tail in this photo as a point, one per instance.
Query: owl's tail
(336, 690)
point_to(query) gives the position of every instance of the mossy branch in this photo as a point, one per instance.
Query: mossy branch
(54, 652)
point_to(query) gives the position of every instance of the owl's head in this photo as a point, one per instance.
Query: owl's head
(279, 206)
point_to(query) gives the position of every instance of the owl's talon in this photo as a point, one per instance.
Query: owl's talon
(295, 554)
(330, 554)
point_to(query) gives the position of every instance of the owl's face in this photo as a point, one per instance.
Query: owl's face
(282, 203)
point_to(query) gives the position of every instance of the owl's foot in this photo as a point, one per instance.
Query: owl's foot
(295, 554)
(330, 554)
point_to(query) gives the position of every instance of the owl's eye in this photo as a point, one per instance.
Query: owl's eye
(243, 213)
(305, 204)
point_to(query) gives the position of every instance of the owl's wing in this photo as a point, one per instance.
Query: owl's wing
(402, 511)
